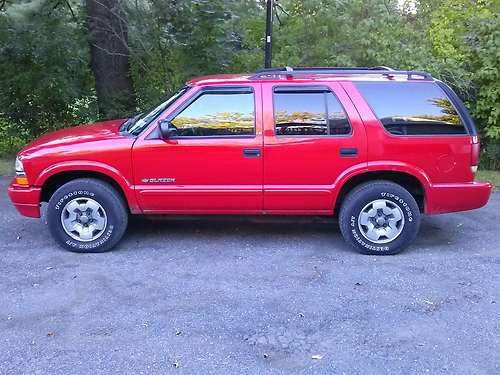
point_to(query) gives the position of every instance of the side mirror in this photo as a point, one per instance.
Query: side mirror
(167, 130)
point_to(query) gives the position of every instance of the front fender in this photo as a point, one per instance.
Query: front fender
(92, 166)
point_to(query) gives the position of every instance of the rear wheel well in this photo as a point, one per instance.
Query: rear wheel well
(56, 181)
(408, 181)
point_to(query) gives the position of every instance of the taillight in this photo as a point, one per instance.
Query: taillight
(474, 157)
(474, 160)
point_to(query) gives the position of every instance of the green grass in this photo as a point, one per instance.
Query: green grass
(7, 166)
(492, 176)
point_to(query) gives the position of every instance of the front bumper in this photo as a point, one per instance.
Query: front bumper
(25, 199)
(443, 198)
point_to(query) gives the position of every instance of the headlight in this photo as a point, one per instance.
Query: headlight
(19, 168)
(20, 174)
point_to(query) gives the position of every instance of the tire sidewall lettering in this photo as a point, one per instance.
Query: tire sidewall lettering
(72, 195)
(401, 203)
(353, 223)
(109, 199)
(359, 240)
(77, 244)
(92, 245)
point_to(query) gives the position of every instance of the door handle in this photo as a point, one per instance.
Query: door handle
(251, 152)
(347, 152)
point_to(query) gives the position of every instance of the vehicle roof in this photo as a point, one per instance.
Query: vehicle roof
(308, 75)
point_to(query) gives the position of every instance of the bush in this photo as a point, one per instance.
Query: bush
(12, 139)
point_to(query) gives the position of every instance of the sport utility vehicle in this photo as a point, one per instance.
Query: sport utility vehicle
(377, 146)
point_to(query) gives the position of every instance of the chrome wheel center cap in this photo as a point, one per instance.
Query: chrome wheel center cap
(380, 221)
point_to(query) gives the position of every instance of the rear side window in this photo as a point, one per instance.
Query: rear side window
(309, 114)
(412, 108)
(217, 114)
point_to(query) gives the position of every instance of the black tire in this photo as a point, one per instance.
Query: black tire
(360, 198)
(112, 208)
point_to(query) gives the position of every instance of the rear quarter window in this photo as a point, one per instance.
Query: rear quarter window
(412, 108)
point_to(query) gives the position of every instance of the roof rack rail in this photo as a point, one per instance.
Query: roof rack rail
(297, 71)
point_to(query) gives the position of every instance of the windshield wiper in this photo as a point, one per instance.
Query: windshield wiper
(130, 122)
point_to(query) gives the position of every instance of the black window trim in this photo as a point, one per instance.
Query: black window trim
(306, 89)
(459, 107)
(225, 90)
(445, 92)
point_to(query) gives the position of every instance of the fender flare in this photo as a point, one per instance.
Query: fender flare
(382, 166)
(92, 166)
(399, 166)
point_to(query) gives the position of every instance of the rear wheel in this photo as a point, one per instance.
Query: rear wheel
(87, 215)
(379, 217)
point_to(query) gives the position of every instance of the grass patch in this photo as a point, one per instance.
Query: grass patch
(7, 166)
(491, 176)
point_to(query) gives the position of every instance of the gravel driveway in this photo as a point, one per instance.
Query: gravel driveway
(251, 296)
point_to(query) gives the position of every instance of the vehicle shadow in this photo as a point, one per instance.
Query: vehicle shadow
(434, 231)
(230, 224)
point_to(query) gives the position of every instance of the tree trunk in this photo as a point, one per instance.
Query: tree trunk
(109, 57)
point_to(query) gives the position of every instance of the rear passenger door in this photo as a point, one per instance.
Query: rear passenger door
(312, 135)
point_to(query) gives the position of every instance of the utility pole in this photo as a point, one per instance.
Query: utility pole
(269, 34)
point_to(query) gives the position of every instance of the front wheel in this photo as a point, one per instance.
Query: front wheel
(379, 218)
(87, 216)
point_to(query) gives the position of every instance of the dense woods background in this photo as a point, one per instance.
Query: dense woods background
(64, 62)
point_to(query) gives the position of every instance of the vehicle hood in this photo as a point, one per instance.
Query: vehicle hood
(100, 131)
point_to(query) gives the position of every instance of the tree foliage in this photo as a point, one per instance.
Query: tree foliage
(46, 82)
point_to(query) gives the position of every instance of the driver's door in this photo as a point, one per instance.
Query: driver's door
(214, 162)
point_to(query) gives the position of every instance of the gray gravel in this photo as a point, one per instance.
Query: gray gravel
(251, 296)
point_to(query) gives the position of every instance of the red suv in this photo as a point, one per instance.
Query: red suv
(379, 147)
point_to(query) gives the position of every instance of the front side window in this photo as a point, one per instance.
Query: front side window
(309, 114)
(217, 114)
(412, 108)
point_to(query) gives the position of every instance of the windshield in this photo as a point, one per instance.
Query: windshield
(135, 125)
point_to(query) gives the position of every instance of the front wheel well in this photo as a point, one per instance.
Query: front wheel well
(59, 179)
(408, 181)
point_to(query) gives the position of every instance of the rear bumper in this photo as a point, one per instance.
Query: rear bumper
(25, 199)
(443, 198)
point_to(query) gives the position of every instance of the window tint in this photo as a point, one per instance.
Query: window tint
(309, 113)
(412, 108)
(217, 114)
